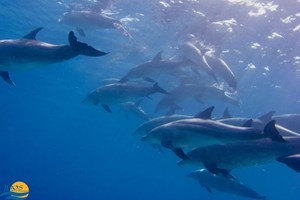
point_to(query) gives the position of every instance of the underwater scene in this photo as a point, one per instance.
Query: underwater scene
(150, 99)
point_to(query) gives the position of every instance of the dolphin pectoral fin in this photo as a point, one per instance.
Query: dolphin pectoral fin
(80, 31)
(148, 97)
(212, 168)
(158, 56)
(271, 132)
(106, 108)
(157, 88)
(167, 143)
(266, 117)
(5, 76)
(83, 48)
(248, 123)
(208, 189)
(32, 34)
(292, 161)
(179, 152)
(205, 114)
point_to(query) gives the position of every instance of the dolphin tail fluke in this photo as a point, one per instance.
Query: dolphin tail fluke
(157, 88)
(5, 76)
(271, 132)
(83, 48)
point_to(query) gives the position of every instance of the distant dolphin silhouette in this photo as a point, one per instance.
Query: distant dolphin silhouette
(27, 53)
(213, 182)
(86, 19)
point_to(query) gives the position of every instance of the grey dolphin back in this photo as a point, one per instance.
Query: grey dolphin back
(5, 76)
(83, 48)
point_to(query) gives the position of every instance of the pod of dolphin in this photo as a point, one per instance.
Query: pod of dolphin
(216, 146)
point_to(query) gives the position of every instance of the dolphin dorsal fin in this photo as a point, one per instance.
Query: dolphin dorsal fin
(158, 56)
(267, 117)
(32, 34)
(226, 114)
(205, 114)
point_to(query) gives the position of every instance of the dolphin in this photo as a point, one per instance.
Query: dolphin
(119, 93)
(191, 52)
(290, 121)
(220, 68)
(213, 182)
(154, 67)
(146, 127)
(27, 53)
(219, 159)
(191, 133)
(196, 91)
(260, 122)
(135, 109)
(86, 19)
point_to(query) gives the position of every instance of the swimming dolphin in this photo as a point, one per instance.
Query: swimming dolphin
(220, 68)
(196, 91)
(289, 121)
(119, 93)
(146, 127)
(213, 182)
(260, 122)
(221, 158)
(154, 67)
(86, 19)
(191, 52)
(27, 53)
(135, 109)
(191, 133)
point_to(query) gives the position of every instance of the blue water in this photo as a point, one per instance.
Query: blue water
(67, 150)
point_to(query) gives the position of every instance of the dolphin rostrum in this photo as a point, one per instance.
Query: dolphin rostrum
(213, 182)
(27, 53)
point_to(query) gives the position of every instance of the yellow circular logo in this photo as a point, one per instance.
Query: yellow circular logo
(19, 190)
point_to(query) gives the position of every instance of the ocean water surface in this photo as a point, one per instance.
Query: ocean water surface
(64, 149)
